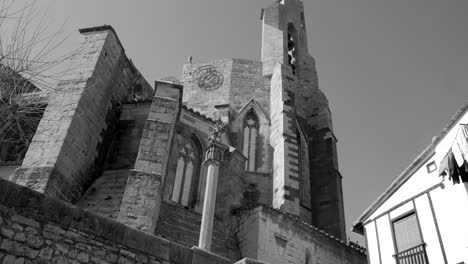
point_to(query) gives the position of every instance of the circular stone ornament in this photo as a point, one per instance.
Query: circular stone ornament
(208, 78)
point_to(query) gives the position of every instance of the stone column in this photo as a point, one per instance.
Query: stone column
(213, 161)
(70, 141)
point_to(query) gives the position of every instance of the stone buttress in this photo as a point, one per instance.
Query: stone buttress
(283, 140)
(143, 193)
(285, 43)
(70, 144)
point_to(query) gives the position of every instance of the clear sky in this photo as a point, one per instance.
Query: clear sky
(394, 71)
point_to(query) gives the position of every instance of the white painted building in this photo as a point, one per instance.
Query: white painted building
(421, 217)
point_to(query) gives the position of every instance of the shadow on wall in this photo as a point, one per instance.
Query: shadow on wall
(7, 169)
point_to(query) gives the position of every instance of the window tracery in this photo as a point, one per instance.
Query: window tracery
(187, 172)
(249, 149)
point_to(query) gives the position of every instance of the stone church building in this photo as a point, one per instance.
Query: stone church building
(236, 162)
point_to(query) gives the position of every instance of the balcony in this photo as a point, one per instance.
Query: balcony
(414, 255)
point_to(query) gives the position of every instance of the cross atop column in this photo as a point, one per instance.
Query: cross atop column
(213, 159)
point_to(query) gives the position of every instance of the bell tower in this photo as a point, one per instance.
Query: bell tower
(284, 36)
(306, 179)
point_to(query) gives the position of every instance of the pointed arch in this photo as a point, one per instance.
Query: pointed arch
(187, 172)
(250, 134)
(303, 164)
(292, 47)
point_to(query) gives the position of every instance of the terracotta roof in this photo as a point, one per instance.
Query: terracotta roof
(408, 172)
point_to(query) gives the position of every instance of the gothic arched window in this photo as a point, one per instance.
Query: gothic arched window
(300, 164)
(303, 168)
(187, 173)
(250, 139)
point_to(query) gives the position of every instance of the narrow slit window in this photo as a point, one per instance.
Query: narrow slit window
(250, 139)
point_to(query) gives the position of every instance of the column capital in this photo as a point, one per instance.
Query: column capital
(215, 153)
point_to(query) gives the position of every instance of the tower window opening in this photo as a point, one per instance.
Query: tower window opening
(250, 139)
(302, 20)
(292, 49)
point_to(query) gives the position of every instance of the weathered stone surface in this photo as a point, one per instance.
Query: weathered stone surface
(20, 237)
(76, 236)
(77, 124)
(118, 142)
(7, 232)
(143, 193)
(46, 253)
(280, 243)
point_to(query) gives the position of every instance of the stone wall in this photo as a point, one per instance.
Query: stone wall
(327, 193)
(182, 225)
(242, 82)
(274, 237)
(144, 190)
(124, 149)
(6, 170)
(247, 83)
(104, 197)
(202, 100)
(71, 141)
(39, 229)
(283, 139)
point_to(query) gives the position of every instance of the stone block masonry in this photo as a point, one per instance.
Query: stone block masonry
(70, 142)
(36, 229)
(143, 193)
(284, 141)
(275, 237)
(242, 82)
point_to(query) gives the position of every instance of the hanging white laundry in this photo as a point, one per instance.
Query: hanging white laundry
(464, 129)
(462, 141)
(457, 153)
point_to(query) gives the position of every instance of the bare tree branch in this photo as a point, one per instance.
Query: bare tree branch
(29, 62)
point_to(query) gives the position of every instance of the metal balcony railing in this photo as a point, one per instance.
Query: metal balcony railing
(414, 255)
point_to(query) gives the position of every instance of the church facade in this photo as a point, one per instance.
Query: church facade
(236, 161)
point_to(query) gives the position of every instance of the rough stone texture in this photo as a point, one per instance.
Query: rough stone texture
(274, 237)
(71, 136)
(201, 256)
(284, 142)
(273, 38)
(7, 170)
(179, 224)
(205, 101)
(259, 188)
(57, 232)
(250, 85)
(104, 197)
(117, 142)
(143, 192)
(327, 191)
(243, 81)
(311, 111)
(249, 261)
(124, 149)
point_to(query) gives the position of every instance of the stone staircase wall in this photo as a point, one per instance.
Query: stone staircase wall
(182, 226)
(105, 195)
